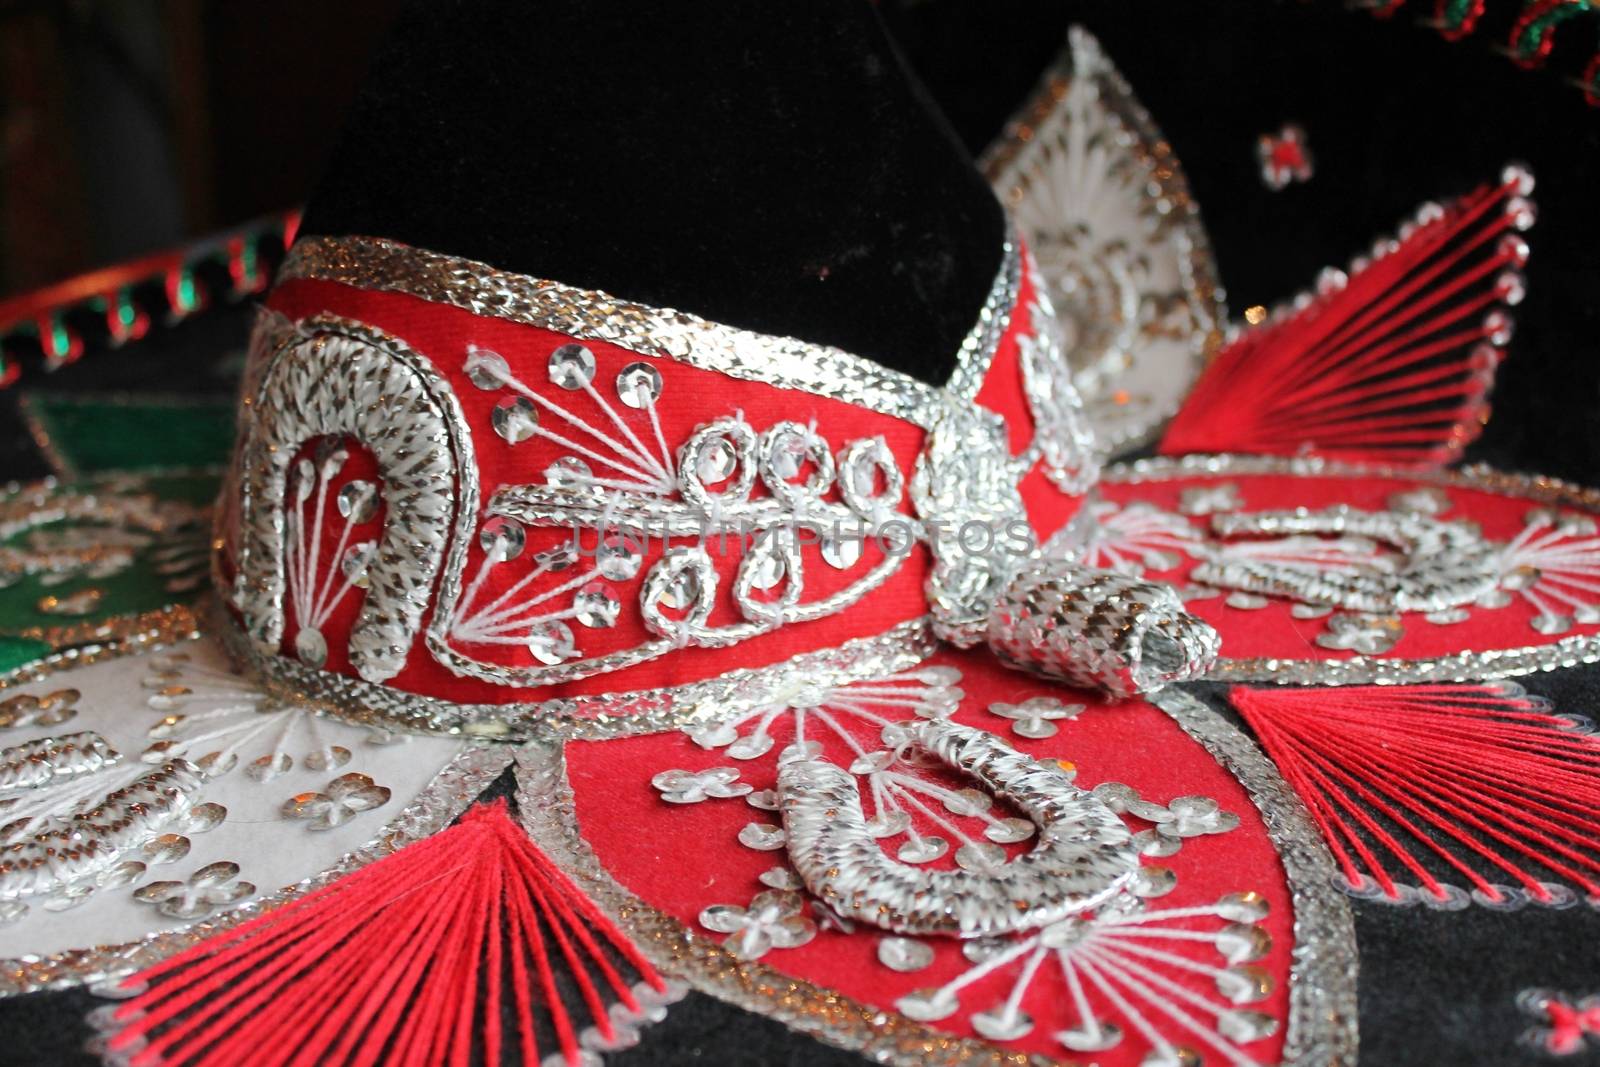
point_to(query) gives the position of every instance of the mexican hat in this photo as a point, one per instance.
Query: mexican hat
(664, 560)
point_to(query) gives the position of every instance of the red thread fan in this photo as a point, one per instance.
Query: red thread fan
(1392, 363)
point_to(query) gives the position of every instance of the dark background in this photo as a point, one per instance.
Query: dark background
(130, 126)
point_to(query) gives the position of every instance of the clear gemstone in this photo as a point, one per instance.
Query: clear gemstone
(619, 557)
(551, 643)
(1246, 907)
(1246, 1026)
(1090, 1039)
(503, 536)
(355, 562)
(515, 419)
(486, 369)
(928, 1005)
(572, 366)
(904, 954)
(358, 501)
(1244, 985)
(717, 462)
(568, 472)
(999, 1024)
(310, 646)
(596, 606)
(638, 385)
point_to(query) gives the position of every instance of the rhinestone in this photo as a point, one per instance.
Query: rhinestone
(568, 472)
(1243, 907)
(1171, 1056)
(683, 591)
(842, 551)
(328, 758)
(638, 385)
(888, 823)
(904, 954)
(618, 558)
(358, 501)
(1243, 942)
(762, 836)
(486, 369)
(1246, 1026)
(203, 817)
(1244, 985)
(596, 606)
(1008, 831)
(922, 849)
(781, 878)
(1088, 1038)
(980, 856)
(1151, 843)
(998, 1024)
(551, 643)
(559, 558)
(1548, 623)
(216, 764)
(515, 419)
(927, 1005)
(355, 562)
(717, 462)
(503, 536)
(311, 648)
(1154, 882)
(168, 848)
(572, 366)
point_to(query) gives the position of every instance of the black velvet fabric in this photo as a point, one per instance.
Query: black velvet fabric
(1394, 115)
(764, 165)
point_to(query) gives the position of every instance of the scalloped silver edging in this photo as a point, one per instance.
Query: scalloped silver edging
(1466, 666)
(1322, 1007)
(457, 785)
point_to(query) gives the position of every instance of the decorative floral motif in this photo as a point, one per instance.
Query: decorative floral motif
(1206, 499)
(1284, 158)
(1369, 635)
(691, 787)
(1563, 1025)
(1037, 716)
(1110, 958)
(218, 720)
(621, 481)
(213, 886)
(24, 709)
(774, 919)
(1107, 212)
(344, 798)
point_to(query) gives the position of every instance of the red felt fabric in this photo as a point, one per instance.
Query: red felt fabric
(1273, 631)
(690, 397)
(683, 858)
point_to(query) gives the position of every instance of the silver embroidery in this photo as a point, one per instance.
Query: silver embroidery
(1084, 855)
(1106, 209)
(346, 380)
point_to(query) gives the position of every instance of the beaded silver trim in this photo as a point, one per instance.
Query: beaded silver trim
(1322, 979)
(1322, 1017)
(623, 714)
(1467, 666)
(1084, 855)
(452, 789)
(786, 362)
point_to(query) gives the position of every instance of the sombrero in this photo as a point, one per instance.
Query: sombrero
(682, 567)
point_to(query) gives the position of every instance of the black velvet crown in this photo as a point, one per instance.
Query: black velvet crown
(770, 166)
